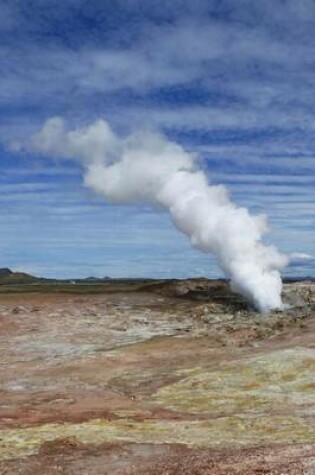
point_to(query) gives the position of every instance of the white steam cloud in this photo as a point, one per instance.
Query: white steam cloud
(146, 167)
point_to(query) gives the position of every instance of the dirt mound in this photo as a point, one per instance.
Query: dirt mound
(199, 290)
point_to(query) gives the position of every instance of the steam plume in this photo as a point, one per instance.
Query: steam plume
(146, 167)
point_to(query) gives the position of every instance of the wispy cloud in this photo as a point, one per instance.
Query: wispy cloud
(301, 256)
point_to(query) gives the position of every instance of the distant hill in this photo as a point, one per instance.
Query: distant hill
(7, 276)
(5, 272)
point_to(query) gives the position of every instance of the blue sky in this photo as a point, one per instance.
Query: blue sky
(230, 80)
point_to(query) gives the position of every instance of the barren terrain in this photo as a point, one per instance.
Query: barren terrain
(176, 377)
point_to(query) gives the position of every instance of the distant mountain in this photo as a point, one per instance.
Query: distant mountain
(7, 276)
(5, 272)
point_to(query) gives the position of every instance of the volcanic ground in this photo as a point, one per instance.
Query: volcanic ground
(165, 377)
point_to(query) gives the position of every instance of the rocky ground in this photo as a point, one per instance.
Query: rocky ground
(166, 378)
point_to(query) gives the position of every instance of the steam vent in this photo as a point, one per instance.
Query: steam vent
(154, 377)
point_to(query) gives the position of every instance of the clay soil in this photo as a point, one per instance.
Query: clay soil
(177, 377)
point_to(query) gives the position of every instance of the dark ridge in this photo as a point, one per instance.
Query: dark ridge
(290, 280)
(5, 271)
(193, 288)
